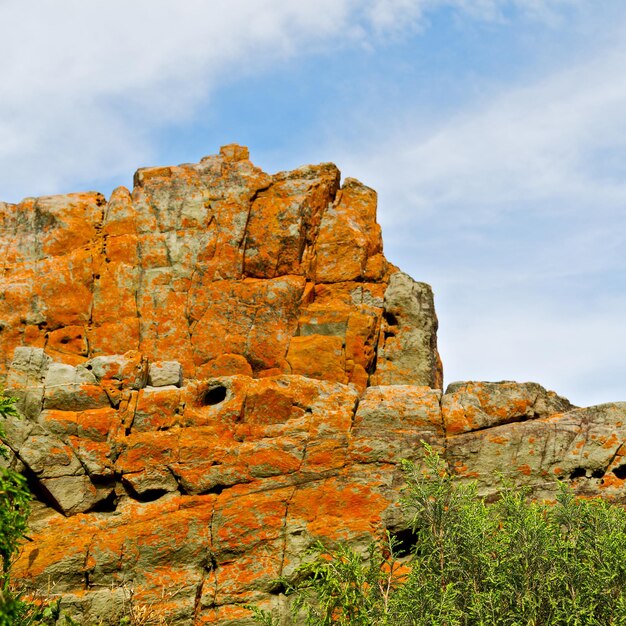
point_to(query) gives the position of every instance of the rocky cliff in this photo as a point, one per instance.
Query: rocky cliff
(220, 367)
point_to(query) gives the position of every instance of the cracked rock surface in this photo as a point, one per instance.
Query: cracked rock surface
(219, 368)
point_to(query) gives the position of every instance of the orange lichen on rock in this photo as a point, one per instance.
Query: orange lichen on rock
(219, 368)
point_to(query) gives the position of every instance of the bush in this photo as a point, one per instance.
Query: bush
(14, 504)
(513, 562)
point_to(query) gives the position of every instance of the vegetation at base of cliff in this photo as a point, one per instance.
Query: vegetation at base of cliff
(513, 562)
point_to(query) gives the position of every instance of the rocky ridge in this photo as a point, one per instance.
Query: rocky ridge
(220, 367)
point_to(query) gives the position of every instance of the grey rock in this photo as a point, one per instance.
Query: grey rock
(70, 388)
(583, 445)
(61, 374)
(151, 479)
(392, 421)
(25, 380)
(18, 430)
(29, 366)
(49, 457)
(164, 373)
(101, 606)
(74, 494)
(407, 352)
(128, 369)
(469, 406)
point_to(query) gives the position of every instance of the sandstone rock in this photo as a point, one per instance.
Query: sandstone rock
(392, 422)
(581, 445)
(129, 370)
(218, 259)
(73, 494)
(26, 379)
(29, 366)
(348, 236)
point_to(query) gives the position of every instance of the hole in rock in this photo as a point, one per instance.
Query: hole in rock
(598, 473)
(404, 541)
(371, 366)
(620, 472)
(150, 495)
(578, 472)
(65, 339)
(390, 318)
(214, 396)
(210, 565)
(278, 589)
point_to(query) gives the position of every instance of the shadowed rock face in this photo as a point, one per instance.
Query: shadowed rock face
(221, 367)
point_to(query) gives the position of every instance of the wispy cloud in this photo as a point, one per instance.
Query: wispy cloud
(86, 85)
(561, 137)
(515, 209)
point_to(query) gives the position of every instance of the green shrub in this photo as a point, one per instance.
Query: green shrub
(513, 562)
(14, 504)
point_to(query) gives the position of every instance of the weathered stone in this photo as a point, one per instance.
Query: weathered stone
(584, 446)
(200, 263)
(469, 406)
(49, 457)
(29, 366)
(164, 373)
(392, 422)
(26, 377)
(129, 370)
(407, 352)
(349, 236)
(220, 368)
(73, 494)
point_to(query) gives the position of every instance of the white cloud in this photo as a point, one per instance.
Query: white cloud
(577, 354)
(85, 84)
(515, 211)
(531, 143)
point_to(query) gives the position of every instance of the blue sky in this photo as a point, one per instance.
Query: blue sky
(493, 130)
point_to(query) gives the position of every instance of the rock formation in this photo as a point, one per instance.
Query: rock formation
(221, 367)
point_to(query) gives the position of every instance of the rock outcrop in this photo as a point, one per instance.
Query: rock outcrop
(221, 367)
